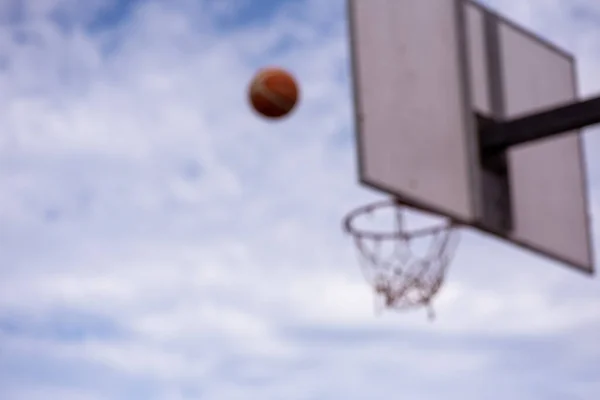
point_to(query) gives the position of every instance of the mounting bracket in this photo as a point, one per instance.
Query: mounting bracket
(497, 137)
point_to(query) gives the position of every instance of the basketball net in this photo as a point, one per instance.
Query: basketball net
(402, 276)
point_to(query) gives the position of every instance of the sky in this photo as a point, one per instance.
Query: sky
(159, 241)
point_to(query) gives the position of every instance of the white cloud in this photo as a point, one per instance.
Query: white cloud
(138, 187)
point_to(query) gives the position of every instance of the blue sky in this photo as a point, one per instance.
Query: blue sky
(158, 241)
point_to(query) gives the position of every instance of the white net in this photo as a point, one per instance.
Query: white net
(406, 267)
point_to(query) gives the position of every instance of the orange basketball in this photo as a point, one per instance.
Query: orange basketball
(273, 92)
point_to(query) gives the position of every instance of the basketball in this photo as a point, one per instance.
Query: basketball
(273, 92)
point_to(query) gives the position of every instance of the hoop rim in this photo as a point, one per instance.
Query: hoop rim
(348, 223)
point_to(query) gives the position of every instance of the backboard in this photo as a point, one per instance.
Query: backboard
(423, 71)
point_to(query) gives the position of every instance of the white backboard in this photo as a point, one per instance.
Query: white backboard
(413, 133)
(422, 69)
(548, 178)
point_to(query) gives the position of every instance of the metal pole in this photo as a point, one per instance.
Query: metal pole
(496, 137)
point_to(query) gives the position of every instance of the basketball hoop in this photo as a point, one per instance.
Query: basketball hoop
(401, 278)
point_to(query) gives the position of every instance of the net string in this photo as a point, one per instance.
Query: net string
(401, 279)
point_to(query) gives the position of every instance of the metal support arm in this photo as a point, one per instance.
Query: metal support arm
(496, 137)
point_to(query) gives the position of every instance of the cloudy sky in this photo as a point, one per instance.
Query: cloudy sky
(158, 241)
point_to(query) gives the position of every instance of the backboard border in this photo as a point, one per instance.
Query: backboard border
(586, 179)
(522, 29)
